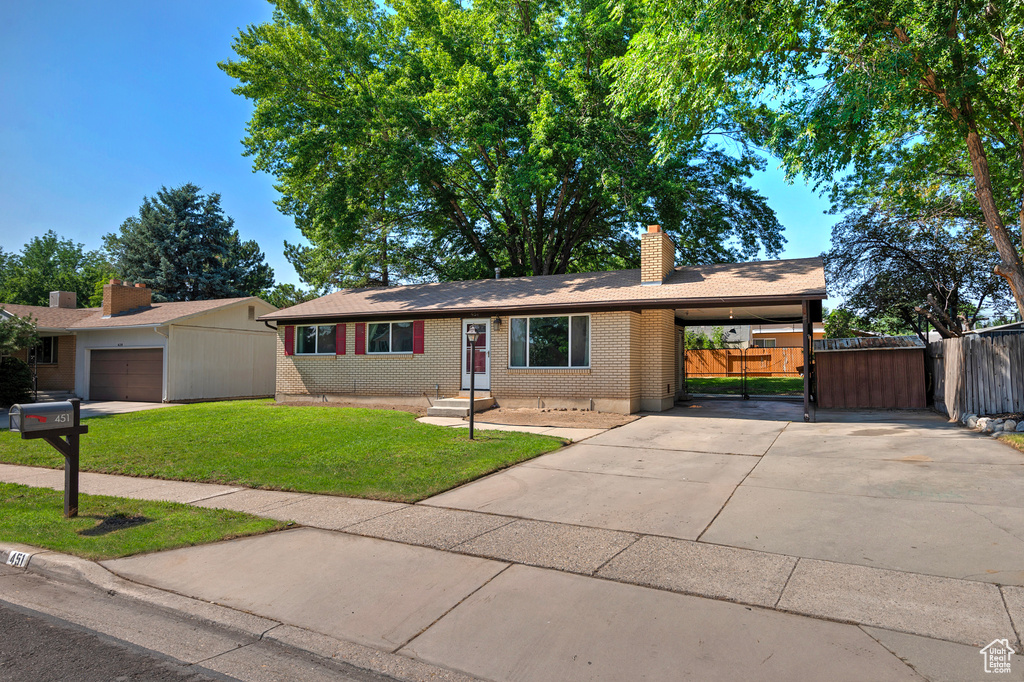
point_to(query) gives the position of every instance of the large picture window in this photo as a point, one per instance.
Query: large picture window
(553, 342)
(315, 340)
(389, 337)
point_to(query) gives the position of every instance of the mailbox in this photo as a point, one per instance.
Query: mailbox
(35, 417)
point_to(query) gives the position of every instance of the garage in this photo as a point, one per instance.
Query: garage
(127, 374)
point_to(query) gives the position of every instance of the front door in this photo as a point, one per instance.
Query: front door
(481, 364)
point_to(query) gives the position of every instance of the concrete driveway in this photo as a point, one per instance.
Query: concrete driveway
(898, 490)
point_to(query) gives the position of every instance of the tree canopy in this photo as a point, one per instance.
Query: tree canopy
(428, 139)
(919, 103)
(50, 263)
(183, 247)
(898, 272)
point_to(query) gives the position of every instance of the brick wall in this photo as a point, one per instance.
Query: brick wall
(119, 298)
(631, 362)
(658, 366)
(61, 376)
(376, 375)
(607, 385)
(657, 255)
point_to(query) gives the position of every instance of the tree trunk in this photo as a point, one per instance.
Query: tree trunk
(1011, 268)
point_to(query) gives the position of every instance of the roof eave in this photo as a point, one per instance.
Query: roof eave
(644, 304)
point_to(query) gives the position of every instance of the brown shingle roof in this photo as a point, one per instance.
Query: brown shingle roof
(688, 286)
(158, 314)
(48, 318)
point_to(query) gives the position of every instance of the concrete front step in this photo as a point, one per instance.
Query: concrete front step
(458, 407)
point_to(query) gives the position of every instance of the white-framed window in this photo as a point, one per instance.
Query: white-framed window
(764, 343)
(389, 337)
(45, 352)
(557, 342)
(315, 340)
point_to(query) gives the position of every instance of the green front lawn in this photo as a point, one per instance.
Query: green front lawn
(755, 385)
(111, 527)
(379, 454)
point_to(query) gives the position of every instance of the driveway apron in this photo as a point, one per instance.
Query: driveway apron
(900, 490)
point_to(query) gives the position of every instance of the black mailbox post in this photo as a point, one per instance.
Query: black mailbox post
(60, 425)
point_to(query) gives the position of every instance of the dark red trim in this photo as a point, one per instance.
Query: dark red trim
(339, 339)
(417, 337)
(289, 340)
(360, 338)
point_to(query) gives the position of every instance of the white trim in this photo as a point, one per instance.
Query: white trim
(590, 338)
(481, 380)
(296, 340)
(391, 333)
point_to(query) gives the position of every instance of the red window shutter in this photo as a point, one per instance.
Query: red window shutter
(289, 340)
(339, 339)
(417, 336)
(360, 338)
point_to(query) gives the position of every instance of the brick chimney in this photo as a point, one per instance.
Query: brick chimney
(119, 298)
(63, 299)
(657, 256)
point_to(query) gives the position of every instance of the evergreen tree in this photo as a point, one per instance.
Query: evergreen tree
(183, 246)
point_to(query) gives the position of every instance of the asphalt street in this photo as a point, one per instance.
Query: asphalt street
(40, 648)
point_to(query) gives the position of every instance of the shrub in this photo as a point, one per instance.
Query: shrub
(15, 381)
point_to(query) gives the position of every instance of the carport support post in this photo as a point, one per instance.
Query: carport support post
(805, 310)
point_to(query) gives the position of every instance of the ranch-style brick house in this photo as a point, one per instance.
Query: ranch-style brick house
(607, 341)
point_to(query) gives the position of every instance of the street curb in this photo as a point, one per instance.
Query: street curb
(66, 568)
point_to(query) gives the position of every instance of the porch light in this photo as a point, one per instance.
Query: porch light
(497, 323)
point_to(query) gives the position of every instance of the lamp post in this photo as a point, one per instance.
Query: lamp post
(472, 333)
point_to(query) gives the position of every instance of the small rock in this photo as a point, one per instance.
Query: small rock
(981, 422)
(1020, 427)
(964, 418)
(972, 421)
(999, 422)
(1009, 425)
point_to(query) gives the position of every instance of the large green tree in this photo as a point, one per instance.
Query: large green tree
(440, 140)
(50, 263)
(183, 246)
(914, 102)
(912, 270)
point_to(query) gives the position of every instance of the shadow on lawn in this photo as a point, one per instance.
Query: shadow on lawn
(114, 522)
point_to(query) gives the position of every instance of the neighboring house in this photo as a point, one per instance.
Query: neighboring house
(54, 356)
(134, 349)
(610, 341)
(781, 335)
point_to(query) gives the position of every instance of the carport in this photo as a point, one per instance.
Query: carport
(804, 311)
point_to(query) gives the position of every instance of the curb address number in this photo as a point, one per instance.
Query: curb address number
(18, 559)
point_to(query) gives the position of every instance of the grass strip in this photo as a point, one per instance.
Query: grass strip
(112, 527)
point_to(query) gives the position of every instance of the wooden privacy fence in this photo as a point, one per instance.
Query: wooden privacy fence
(978, 374)
(759, 362)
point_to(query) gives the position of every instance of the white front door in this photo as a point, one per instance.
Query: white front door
(482, 362)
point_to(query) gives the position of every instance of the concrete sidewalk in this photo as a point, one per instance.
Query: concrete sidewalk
(502, 597)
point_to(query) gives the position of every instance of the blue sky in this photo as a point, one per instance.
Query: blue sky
(103, 103)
